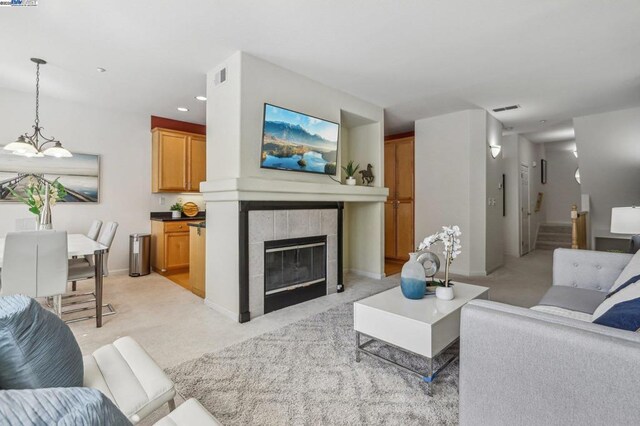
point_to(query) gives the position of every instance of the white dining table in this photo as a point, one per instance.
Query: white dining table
(81, 245)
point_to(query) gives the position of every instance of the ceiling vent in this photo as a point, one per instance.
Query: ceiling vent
(507, 108)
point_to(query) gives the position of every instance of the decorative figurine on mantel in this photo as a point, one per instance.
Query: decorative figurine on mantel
(367, 175)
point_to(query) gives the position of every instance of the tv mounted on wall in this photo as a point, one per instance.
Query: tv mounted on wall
(298, 142)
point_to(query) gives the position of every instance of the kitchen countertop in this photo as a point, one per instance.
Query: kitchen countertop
(198, 224)
(166, 217)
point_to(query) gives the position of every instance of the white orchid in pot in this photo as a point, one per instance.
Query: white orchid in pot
(450, 238)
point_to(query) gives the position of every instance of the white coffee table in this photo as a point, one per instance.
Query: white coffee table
(423, 327)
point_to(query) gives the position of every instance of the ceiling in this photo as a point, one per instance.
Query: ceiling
(557, 59)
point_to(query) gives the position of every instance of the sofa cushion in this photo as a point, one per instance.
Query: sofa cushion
(626, 294)
(631, 270)
(59, 406)
(573, 298)
(554, 310)
(37, 349)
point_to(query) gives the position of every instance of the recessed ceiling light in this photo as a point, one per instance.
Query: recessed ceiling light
(543, 121)
(183, 109)
(100, 69)
(201, 98)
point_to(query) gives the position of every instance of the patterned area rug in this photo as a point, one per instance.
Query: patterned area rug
(306, 374)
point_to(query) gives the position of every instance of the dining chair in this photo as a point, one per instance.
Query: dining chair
(35, 264)
(93, 233)
(94, 230)
(84, 269)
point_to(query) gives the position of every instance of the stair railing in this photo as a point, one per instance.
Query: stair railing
(578, 228)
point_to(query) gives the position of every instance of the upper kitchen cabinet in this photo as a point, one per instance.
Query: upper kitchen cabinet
(179, 161)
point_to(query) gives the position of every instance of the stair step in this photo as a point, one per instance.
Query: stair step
(545, 245)
(548, 236)
(555, 229)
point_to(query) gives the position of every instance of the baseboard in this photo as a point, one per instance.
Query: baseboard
(224, 311)
(365, 274)
(119, 272)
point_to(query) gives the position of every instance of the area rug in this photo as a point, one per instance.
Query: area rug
(306, 374)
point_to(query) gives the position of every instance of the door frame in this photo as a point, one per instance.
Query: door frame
(520, 208)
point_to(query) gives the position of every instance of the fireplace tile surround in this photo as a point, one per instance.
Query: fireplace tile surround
(269, 225)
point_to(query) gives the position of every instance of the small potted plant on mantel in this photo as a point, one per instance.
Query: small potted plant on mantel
(350, 170)
(176, 210)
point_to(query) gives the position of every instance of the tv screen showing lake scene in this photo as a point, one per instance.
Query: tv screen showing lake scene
(298, 142)
(79, 175)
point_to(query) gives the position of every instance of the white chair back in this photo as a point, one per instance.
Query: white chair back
(35, 263)
(106, 239)
(94, 230)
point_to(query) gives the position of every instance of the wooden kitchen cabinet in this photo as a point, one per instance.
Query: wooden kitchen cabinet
(169, 246)
(197, 256)
(178, 161)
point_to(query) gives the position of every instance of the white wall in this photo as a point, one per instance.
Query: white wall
(511, 224)
(453, 168)
(494, 219)
(562, 190)
(529, 154)
(122, 140)
(609, 158)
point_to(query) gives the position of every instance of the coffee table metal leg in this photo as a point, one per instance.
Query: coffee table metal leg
(357, 346)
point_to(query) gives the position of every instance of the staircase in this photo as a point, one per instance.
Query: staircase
(551, 237)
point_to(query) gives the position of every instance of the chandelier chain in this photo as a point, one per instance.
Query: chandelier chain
(37, 95)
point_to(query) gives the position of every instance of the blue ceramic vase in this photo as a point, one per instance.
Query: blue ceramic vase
(413, 282)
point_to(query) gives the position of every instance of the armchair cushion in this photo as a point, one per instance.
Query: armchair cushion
(125, 373)
(191, 412)
(59, 406)
(37, 349)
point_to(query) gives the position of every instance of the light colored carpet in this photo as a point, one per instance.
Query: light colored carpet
(306, 374)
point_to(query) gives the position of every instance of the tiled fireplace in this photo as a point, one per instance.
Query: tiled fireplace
(290, 252)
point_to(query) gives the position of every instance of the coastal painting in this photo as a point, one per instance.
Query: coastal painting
(298, 142)
(80, 175)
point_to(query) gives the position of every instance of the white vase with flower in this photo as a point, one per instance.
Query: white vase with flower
(450, 239)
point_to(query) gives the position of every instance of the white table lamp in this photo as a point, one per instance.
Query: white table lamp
(625, 220)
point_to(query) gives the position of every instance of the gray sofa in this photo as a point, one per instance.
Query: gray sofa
(550, 365)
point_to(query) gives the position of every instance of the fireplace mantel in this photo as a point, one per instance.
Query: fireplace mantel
(259, 189)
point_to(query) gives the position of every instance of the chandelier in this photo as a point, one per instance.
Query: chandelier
(35, 145)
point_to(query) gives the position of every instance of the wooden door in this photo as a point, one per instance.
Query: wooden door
(176, 249)
(172, 161)
(399, 208)
(197, 162)
(404, 169)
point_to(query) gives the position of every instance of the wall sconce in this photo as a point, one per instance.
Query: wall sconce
(577, 176)
(575, 153)
(495, 150)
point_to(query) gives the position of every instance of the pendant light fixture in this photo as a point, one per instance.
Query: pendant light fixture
(31, 145)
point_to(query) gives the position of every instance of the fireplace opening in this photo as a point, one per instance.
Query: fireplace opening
(295, 271)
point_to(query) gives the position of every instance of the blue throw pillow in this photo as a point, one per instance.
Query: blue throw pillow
(624, 315)
(622, 286)
(37, 349)
(59, 406)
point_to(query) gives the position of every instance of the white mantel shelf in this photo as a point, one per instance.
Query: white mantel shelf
(256, 189)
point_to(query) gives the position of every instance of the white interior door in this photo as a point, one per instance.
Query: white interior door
(525, 211)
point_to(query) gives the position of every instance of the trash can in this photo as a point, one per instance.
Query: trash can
(139, 254)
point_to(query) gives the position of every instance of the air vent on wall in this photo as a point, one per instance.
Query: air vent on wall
(506, 108)
(220, 77)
